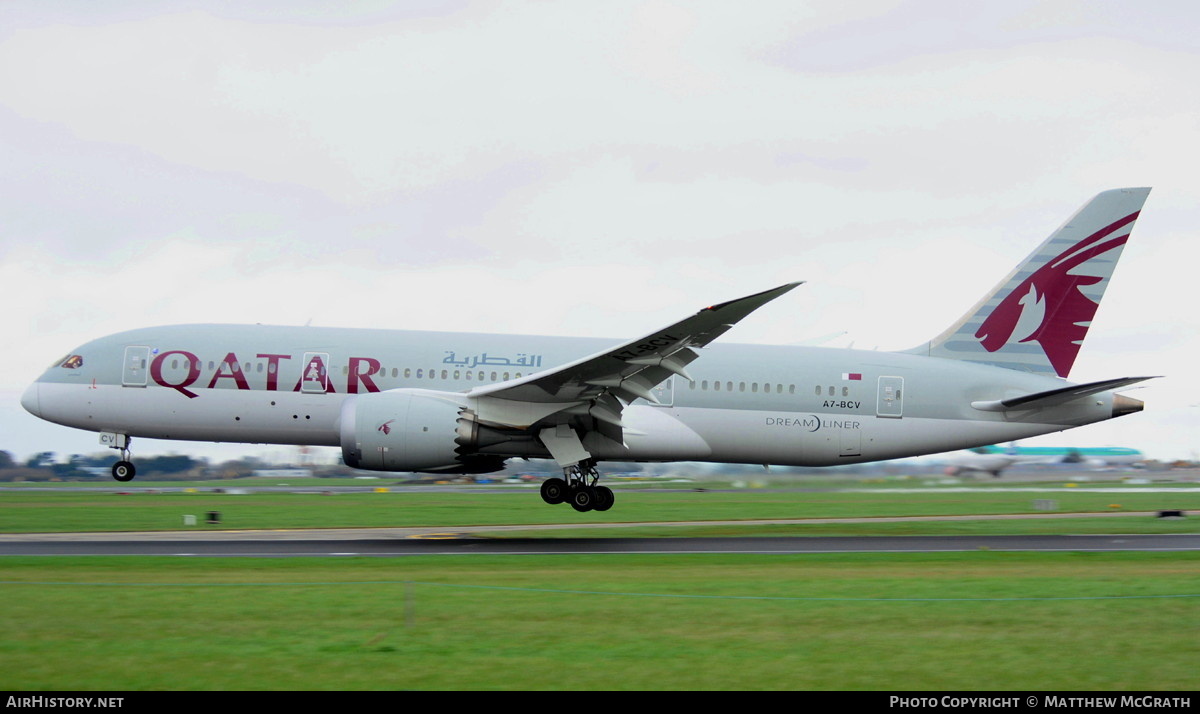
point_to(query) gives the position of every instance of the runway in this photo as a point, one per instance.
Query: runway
(450, 544)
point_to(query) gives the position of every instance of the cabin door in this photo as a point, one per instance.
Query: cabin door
(134, 372)
(891, 397)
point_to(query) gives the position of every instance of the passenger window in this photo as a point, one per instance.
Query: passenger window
(506, 377)
(791, 389)
(408, 372)
(445, 374)
(493, 376)
(767, 387)
(420, 373)
(716, 386)
(754, 387)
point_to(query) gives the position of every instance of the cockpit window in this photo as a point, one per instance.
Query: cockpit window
(72, 362)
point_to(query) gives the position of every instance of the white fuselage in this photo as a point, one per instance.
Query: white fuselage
(745, 404)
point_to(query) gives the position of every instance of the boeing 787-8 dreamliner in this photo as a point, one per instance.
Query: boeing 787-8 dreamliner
(447, 402)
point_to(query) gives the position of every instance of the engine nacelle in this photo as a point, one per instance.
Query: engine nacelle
(403, 430)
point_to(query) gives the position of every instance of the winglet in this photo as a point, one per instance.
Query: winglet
(746, 305)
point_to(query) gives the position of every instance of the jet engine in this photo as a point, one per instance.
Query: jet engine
(411, 430)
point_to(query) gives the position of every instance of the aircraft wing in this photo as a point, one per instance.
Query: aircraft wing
(592, 385)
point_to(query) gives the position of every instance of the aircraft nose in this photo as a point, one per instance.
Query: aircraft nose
(31, 401)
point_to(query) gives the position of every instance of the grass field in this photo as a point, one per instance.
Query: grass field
(973, 621)
(949, 621)
(39, 511)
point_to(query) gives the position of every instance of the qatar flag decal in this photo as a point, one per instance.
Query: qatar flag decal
(851, 376)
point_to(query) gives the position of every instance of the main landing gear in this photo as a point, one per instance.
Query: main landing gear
(578, 488)
(123, 470)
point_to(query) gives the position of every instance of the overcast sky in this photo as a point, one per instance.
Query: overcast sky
(589, 168)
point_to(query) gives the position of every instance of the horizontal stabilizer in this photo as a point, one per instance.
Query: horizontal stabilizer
(1054, 397)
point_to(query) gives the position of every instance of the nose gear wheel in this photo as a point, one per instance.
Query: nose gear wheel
(123, 470)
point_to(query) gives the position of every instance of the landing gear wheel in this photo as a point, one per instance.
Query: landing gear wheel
(554, 490)
(604, 498)
(583, 499)
(123, 471)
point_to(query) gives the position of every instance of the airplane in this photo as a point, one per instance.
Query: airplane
(443, 402)
(995, 459)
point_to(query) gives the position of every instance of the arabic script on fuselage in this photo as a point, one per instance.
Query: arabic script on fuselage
(484, 359)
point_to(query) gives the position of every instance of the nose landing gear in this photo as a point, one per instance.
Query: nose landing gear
(579, 488)
(123, 470)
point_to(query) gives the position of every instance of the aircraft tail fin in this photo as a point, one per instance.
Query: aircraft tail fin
(1036, 319)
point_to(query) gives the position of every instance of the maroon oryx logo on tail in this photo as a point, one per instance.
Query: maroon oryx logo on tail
(1048, 307)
